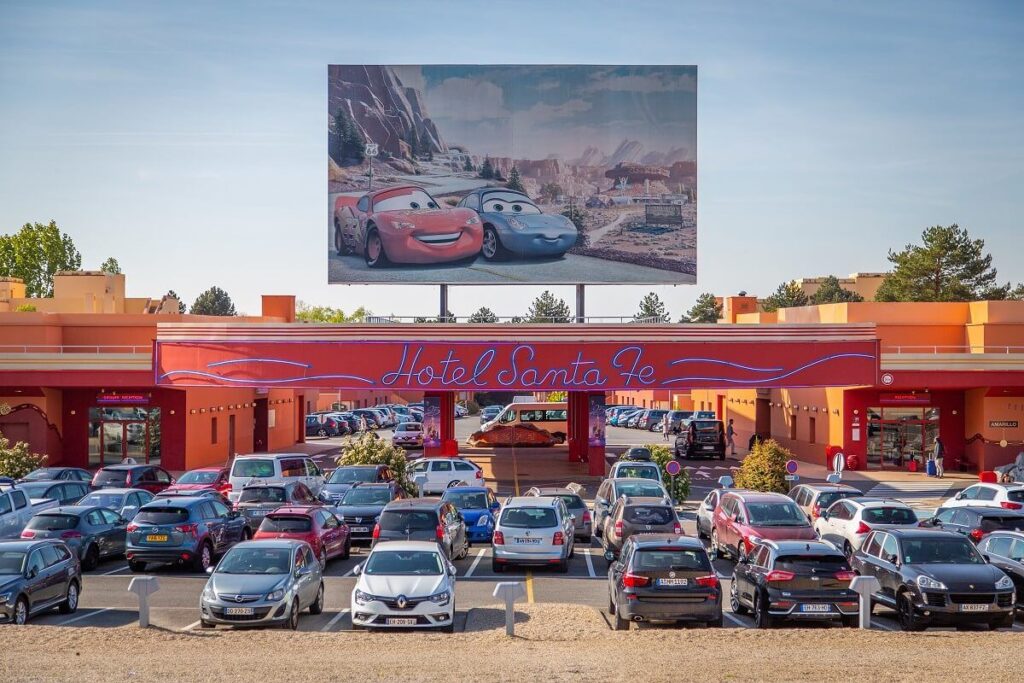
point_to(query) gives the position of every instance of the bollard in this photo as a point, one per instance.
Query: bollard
(144, 586)
(510, 591)
(420, 480)
(865, 587)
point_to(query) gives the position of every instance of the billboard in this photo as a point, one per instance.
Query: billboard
(503, 174)
(596, 420)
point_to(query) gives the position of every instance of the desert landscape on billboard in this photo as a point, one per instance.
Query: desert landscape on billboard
(483, 174)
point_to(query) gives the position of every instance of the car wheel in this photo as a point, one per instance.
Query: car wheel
(905, 614)
(339, 240)
(611, 606)
(450, 628)
(563, 567)
(701, 534)
(204, 558)
(91, 558)
(716, 623)
(491, 248)
(137, 567)
(762, 619)
(318, 605)
(376, 257)
(322, 557)
(851, 621)
(322, 433)
(1005, 622)
(293, 617)
(347, 550)
(70, 603)
(20, 617)
(734, 600)
(715, 545)
(572, 551)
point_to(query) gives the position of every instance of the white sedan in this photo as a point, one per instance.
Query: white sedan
(1007, 496)
(405, 584)
(408, 434)
(848, 521)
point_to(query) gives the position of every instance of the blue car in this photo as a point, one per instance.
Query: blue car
(479, 508)
(189, 531)
(515, 226)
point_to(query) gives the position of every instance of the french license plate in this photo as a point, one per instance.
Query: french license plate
(974, 608)
(360, 529)
(238, 611)
(823, 607)
(156, 538)
(673, 582)
(401, 621)
(528, 541)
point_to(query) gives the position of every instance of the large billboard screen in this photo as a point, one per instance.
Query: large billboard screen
(485, 174)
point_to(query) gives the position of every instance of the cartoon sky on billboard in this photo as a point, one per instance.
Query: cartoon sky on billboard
(484, 174)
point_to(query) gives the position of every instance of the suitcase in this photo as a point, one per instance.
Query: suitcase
(931, 468)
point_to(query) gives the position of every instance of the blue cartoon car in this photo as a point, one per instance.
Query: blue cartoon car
(515, 227)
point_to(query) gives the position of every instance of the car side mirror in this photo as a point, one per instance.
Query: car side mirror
(824, 515)
(31, 573)
(891, 558)
(988, 559)
(959, 496)
(572, 517)
(209, 570)
(603, 502)
(128, 511)
(610, 556)
(358, 569)
(453, 570)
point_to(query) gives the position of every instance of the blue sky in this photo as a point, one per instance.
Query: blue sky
(187, 139)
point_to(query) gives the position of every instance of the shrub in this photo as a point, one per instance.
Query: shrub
(16, 461)
(679, 487)
(369, 449)
(764, 468)
(25, 308)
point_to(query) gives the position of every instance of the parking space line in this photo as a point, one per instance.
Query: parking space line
(476, 562)
(190, 626)
(1017, 627)
(529, 586)
(734, 619)
(115, 571)
(349, 572)
(335, 620)
(884, 627)
(590, 563)
(83, 616)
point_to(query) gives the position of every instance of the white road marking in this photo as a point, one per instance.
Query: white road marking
(590, 563)
(1018, 627)
(190, 626)
(84, 616)
(115, 571)
(476, 562)
(348, 573)
(335, 620)
(734, 619)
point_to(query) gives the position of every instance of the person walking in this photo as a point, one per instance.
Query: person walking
(362, 423)
(938, 453)
(730, 437)
(666, 426)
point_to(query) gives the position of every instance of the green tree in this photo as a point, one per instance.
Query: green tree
(173, 295)
(652, 309)
(515, 183)
(483, 315)
(577, 215)
(449, 317)
(35, 254)
(831, 292)
(764, 468)
(705, 310)
(326, 314)
(214, 301)
(350, 144)
(547, 308)
(558, 396)
(1018, 293)
(369, 449)
(111, 266)
(487, 169)
(16, 460)
(25, 308)
(787, 295)
(467, 165)
(678, 486)
(947, 266)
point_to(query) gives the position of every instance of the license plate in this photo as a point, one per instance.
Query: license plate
(816, 608)
(400, 621)
(528, 541)
(974, 608)
(673, 582)
(238, 611)
(156, 538)
(360, 529)
(253, 513)
(708, 448)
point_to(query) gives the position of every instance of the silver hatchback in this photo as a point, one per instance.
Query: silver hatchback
(533, 530)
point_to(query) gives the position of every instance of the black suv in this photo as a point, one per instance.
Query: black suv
(663, 577)
(361, 505)
(934, 577)
(703, 439)
(805, 580)
(424, 519)
(976, 522)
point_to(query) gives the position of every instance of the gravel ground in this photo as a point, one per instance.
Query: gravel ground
(553, 643)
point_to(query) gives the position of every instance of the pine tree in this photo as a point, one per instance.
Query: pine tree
(514, 181)
(831, 292)
(487, 169)
(483, 315)
(947, 266)
(652, 309)
(705, 310)
(214, 301)
(547, 308)
(787, 295)
(350, 142)
(468, 165)
(111, 266)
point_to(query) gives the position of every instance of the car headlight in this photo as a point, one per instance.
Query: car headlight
(404, 225)
(473, 220)
(928, 583)
(484, 520)
(753, 540)
(362, 598)
(1004, 583)
(442, 598)
(208, 593)
(4, 598)
(276, 595)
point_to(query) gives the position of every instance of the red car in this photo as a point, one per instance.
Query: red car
(326, 534)
(203, 479)
(404, 225)
(146, 477)
(742, 518)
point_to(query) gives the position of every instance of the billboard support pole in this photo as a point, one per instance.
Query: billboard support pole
(581, 303)
(443, 315)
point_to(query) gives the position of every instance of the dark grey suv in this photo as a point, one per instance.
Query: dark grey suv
(183, 531)
(424, 519)
(36, 576)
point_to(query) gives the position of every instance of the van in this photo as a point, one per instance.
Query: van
(551, 417)
(274, 468)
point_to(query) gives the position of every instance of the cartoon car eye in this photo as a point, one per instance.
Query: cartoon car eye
(431, 205)
(499, 207)
(414, 205)
(517, 208)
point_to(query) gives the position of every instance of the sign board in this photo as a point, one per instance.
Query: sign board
(664, 214)
(431, 422)
(673, 468)
(1003, 424)
(908, 398)
(792, 477)
(791, 466)
(839, 462)
(122, 398)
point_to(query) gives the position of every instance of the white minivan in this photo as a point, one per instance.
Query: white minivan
(274, 468)
(551, 417)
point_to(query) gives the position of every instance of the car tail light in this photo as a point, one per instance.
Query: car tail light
(845, 575)
(779, 575)
(815, 511)
(1011, 506)
(634, 581)
(28, 533)
(618, 528)
(439, 531)
(499, 538)
(559, 538)
(479, 474)
(977, 534)
(71, 534)
(677, 528)
(862, 528)
(376, 532)
(131, 527)
(586, 516)
(710, 581)
(192, 529)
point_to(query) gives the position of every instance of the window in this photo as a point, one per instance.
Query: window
(945, 516)
(293, 467)
(62, 553)
(220, 508)
(874, 544)
(206, 510)
(110, 517)
(162, 476)
(472, 201)
(792, 427)
(363, 204)
(213, 430)
(5, 505)
(442, 466)
(970, 493)
(889, 515)
(35, 562)
(529, 518)
(463, 467)
(50, 555)
(962, 517)
(95, 518)
(811, 426)
(840, 511)
(986, 493)
(999, 546)
(19, 498)
(889, 548)
(311, 469)
(761, 557)
(302, 494)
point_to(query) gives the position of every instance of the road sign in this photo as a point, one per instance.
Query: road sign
(792, 477)
(839, 462)
(791, 466)
(673, 468)
(371, 149)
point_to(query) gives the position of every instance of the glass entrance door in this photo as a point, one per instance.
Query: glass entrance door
(111, 443)
(123, 439)
(899, 435)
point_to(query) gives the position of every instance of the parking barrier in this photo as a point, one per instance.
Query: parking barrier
(144, 586)
(510, 591)
(865, 586)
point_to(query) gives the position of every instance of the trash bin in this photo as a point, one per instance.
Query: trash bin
(912, 466)
(989, 477)
(931, 468)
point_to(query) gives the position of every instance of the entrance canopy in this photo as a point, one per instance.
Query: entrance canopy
(464, 357)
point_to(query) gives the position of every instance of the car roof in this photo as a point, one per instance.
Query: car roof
(122, 468)
(414, 503)
(358, 467)
(646, 540)
(1002, 485)
(1007, 532)
(630, 480)
(26, 545)
(122, 490)
(306, 510)
(176, 501)
(466, 489)
(530, 501)
(761, 496)
(273, 456)
(70, 509)
(920, 532)
(555, 491)
(867, 502)
(829, 488)
(290, 543)
(990, 510)
(211, 468)
(646, 500)
(804, 547)
(373, 194)
(430, 546)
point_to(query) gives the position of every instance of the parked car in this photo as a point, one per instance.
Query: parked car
(181, 531)
(203, 479)
(636, 469)
(444, 472)
(92, 533)
(701, 438)
(663, 577)
(513, 226)
(146, 477)
(374, 420)
(408, 434)
(532, 530)
(583, 523)
(633, 420)
(630, 516)
(622, 417)
(327, 535)
(976, 522)
(340, 422)
(346, 476)
(612, 488)
(489, 413)
(849, 520)
(794, 580)
(1007, 496)
(678, 421)
(58, 474)
(478, 506)
(259, 500)
(744, 518)
(424, 519)
(322, 426)
(1005, 549)
(361, 505)
(706, 512)
(933, 577)
(36, 576)
(404, 584)
(203, 493)
(275, 468)
(815, 498)
(64, 492)
(651, 419)
(16, 508)
(125, 502)
(263, 583)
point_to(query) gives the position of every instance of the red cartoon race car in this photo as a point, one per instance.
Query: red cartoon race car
(404, 225)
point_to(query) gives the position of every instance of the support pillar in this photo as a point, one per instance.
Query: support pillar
(581, 447)
(446, 423)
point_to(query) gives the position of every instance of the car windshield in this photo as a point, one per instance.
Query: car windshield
(42, 474)
(348, 475)
(35, 490)
(705, 425)
(162, 516)
(529, 518)
(776, 514)
(640, 490)
(1016, 496)
(198, 477)
(653, 559)
(403, 200)
(807, 564)
(468, 500)
(940, 551)
(360, 496)
(413, 520)
(403, 563)
(255, 561)
(12, 561)
(1002, 522)
(253, 468)
(111, 477)
(410, 427)
(637, 472)
(103, 500)
(49, 522)
(648, 514)
(829, 497)
(284, 524)
(508, 203)
(572, 501)
(889, 516)
(263, 494)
